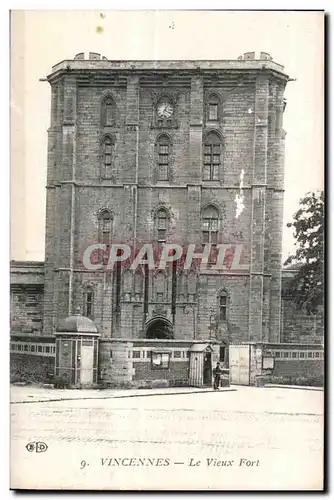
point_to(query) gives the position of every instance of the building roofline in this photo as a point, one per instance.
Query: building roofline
(27, 263)
(193, 66)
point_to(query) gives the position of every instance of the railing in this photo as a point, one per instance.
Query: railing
(33, 348)
(293, 354)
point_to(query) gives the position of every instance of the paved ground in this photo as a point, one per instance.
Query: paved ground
(32, 394)
(250, 438)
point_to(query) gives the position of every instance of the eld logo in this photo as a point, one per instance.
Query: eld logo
(38, 447)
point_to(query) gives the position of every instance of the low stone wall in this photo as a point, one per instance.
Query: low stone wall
(152, 363)
(32, 359)
(296, 364)
(145, 363)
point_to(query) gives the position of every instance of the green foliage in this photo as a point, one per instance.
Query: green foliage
(307, 287)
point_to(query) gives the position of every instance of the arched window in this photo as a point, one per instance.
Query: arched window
(105, 226)
(213, 105)
(108, 112)
(161, 223)
(88, 302)
(222, 305)
(107, 153)
(212, 156)
(163, 153)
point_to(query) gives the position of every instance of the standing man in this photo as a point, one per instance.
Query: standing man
(217, 373)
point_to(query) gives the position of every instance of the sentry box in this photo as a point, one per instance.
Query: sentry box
(76, 352)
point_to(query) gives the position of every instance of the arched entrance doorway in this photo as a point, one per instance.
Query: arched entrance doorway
(159, 328)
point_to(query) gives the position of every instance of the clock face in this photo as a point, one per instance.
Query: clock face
(165, 109)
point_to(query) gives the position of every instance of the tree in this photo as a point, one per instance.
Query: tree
(307, 287)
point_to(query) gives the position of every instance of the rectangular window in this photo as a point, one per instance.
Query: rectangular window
(163, 161)
(206, 224)
(160, 360)
(162, 227)
(177, 354)
(213, 111)
(162, 223)
(105, 236)
(89, 304)
(210, 231)
(222, 307)
(105, 230)
(136, 354)
(106, 254)
(164, 149)
(206, 237)
(212, 160)
(108, 150)
(214, 172)
(214, 237)
(163, 173)
(161, 235)
(213, 252)
(109, 113)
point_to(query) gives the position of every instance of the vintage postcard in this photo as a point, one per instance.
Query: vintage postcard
(166, 274)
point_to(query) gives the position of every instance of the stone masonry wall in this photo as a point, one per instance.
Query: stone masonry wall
(249, 123)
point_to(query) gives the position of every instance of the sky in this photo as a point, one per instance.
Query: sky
(40, 39)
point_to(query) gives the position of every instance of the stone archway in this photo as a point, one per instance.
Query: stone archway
(159, 328)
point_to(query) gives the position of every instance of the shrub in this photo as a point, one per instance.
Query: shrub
(302, 380)
(61, 382)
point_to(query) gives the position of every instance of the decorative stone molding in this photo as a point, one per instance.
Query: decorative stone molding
(165, 93)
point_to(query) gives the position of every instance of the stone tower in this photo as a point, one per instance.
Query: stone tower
(167, 151)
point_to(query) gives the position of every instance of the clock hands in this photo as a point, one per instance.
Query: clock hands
(165, 110)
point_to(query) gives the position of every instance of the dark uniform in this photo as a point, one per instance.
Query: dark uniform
(217, 374)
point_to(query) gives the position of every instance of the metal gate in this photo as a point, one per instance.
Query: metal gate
(239, 360)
